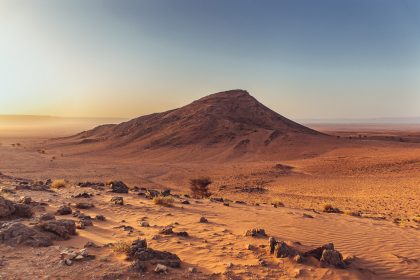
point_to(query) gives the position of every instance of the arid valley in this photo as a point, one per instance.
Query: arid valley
(274, 183)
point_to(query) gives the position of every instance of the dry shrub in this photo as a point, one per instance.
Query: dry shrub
(58, 184)
(163, 200)
(200, 187)
(122, 247)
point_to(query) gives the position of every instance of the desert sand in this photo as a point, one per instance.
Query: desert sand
(254, 157)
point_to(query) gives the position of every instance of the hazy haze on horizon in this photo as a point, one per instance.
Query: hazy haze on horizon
(304, 59)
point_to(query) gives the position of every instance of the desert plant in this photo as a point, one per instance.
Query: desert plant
(58, 184)
(163, 200)
(121, 247)
(200, 187)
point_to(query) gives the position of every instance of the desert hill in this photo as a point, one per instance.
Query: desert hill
(230, 123)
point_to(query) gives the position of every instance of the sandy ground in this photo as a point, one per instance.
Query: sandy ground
(377, 180)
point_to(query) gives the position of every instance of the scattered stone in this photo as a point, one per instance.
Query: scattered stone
(225, 203)
(185, 202)
(152, 193)
(14, 234)
(308, 216)
(68, 256)
(83, 195)
(298, 258)
(283, 250)
(118, 200)
(216, 199)
(25, 200)
(64, 210)
(141, 255)
(100, 217)
(192, 270)
(9, 209)
(229, 265)
(332, 258)
(90, 184)
(160, 268)
(144, 224)
(250, 247)
(166, 192)
(272, 241)
(256, 232)
(317, 252)
(84, 205)
(166, 230)
(182, 233)
(46, 217)
(262, 262)
(240, 202)
(203, 220)
(91, 245)
(60, 228)
(118, 187)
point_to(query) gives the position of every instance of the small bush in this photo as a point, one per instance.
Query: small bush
(121, 247)
(58, 184)
(163, 200)
(200, 187)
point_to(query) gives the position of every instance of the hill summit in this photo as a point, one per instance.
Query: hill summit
(232, 120)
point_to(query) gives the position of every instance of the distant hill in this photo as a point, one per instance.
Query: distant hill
(230, 123)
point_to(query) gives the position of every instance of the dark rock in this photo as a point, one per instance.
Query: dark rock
(100, 217)
(60, 228)
(141, 255)
(83, 195)
(14, 234)
(46, 217)
(118, 200)
(22, 210)
(90, 184)
(166, 192)
(64, 210)
(84, 205)
(332, 258)
(317, 252)
(9, 209)
(119, 187)
(256, 232)
(216, 199)
(272, 242)
(152, 193)
(182, 233)
(203, 220)
(166, 230)
(25, 200)
(282, 250)
(185, 202)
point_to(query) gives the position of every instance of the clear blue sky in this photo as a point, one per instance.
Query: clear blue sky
(304, 59)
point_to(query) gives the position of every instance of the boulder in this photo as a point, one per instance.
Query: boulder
(84, 205)
(332, 258)
(62, 229)
(160, 268)
(64, 210)
(166, 192)
(203, 220)
(23, 210)
(256, 232)
(282, 250)
(46, 217)
(119, 187)
(141, 255)
(317, 252)
(166, 230)
(9, 209)
(152, 193)
(272, 243)
(118, 200)
(25, 200)
(14, 234)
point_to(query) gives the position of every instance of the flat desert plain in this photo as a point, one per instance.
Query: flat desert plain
(371, 182)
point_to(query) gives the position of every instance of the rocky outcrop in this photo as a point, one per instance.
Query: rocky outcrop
(118, 187)
(141, 255)
(61, 229)
(10, 209)
(15, 233)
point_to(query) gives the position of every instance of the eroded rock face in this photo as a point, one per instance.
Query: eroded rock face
(256, 232)
(62, 229)
(317, 252)
(9, 209)
(64, 210)
(141, 255)
(14, 234)
(119, 187)
(332, 258)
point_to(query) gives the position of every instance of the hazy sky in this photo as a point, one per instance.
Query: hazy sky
(304, 59)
